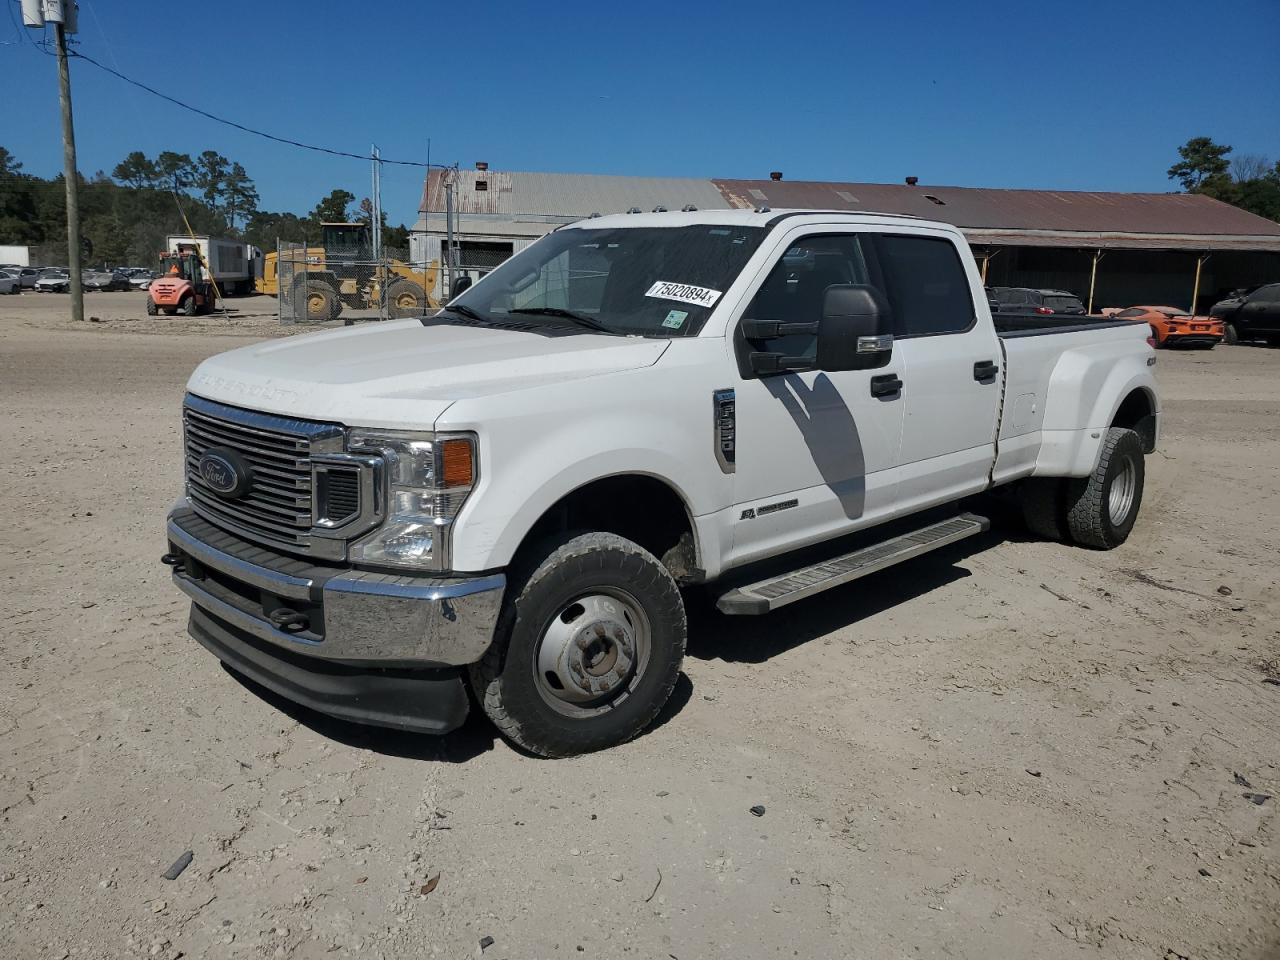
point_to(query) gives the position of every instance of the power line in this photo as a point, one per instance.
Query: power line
(251, 130)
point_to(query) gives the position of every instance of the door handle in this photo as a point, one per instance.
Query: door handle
(886, 385)
(985, 370)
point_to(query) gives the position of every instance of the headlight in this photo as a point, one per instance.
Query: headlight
(429, 478)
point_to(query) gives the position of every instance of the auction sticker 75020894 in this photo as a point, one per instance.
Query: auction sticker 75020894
(684, 292)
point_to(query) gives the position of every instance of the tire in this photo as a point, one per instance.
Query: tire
(599, 582)
(1229, 334)
(152, 309)
(405, 299)
(1044, 507)
(321, 302)
(1102, 508)
(188, 306)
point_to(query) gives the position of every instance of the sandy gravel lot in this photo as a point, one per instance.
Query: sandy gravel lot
(1008, 749)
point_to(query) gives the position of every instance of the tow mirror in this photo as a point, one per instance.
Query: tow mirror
(853, 334)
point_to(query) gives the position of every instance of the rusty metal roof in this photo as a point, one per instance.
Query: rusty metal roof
(1032, 217)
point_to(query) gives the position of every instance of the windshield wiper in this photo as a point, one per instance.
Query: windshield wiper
(580, 319)
(464, 310)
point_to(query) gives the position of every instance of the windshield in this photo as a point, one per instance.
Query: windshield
(651, 281)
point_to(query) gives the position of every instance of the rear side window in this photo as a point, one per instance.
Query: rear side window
(1063, 303)
(1012, 296)
(1268, 294)
(1131, 312)
(927, 284)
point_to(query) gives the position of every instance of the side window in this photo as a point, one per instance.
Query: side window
(928, 287)
(795, 288)
(1268, 294)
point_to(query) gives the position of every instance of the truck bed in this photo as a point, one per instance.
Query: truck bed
(1039, 325)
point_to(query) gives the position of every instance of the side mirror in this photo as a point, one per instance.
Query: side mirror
(460, 286)
(853, 334)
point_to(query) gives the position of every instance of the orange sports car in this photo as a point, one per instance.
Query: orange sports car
(1174, 327)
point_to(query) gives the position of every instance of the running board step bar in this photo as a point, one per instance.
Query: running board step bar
(778, 591)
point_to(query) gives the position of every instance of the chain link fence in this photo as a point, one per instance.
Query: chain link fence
(344, 277)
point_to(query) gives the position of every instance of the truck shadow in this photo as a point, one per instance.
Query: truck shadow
(745, 639)
(474, 737)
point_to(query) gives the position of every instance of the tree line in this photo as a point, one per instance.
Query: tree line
(126, 216)
(1248, 181)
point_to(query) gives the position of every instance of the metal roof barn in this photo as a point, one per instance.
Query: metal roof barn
(1157, 247)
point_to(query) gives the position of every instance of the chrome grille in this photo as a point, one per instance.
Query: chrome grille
(277, 507)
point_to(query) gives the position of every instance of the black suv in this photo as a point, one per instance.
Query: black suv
(1030, 300)
(1251, 314)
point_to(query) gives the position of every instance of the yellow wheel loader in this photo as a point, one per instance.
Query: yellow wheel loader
(340, 273)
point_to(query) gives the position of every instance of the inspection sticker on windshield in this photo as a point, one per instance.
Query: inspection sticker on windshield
(675, 319)
(684, 292)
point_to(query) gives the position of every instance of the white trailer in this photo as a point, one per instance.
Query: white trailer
(233, 264)
(18, 256)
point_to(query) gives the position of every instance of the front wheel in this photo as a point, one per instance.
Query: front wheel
(188, 306)
(1230, 335)
(1102, 508)
(588, 646)
(152, 309)
(405, 299)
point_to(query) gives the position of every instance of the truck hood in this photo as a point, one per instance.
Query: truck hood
(404, 373)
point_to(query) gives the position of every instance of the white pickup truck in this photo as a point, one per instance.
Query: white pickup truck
(511, 494)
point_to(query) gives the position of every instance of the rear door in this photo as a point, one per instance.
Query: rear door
(953, 361)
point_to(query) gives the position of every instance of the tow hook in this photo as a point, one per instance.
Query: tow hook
(291, 621)
(172, 559)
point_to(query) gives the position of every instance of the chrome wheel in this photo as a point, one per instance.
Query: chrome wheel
(592, 653)
(1123, 488)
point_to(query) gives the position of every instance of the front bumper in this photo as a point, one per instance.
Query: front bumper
(376, 648)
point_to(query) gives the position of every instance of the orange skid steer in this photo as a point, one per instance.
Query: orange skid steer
(181, 286)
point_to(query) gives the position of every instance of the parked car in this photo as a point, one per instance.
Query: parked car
(1251, 314)
(53, 280)
(26, 275)
(1173, 327)
(141, 280)
(102, 280)
(10, 282)
(1031, 300)
(511, 492)
(96, 280)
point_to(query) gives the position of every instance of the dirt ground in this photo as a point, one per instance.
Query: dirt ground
(1008, 749)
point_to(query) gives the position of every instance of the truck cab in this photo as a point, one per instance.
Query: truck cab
(511, 495)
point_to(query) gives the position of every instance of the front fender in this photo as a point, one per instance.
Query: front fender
(526, 470)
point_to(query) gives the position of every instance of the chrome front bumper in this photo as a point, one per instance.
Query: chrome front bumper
(349, 617)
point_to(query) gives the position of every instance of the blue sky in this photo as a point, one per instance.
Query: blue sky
(1000, 93)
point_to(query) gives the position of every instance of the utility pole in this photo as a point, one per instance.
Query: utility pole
(69, 169)
(36, 14)
(450, 259)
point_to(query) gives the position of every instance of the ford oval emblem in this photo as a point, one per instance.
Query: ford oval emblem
(224, 472)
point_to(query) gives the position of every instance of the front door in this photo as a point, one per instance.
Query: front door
(815, 451)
